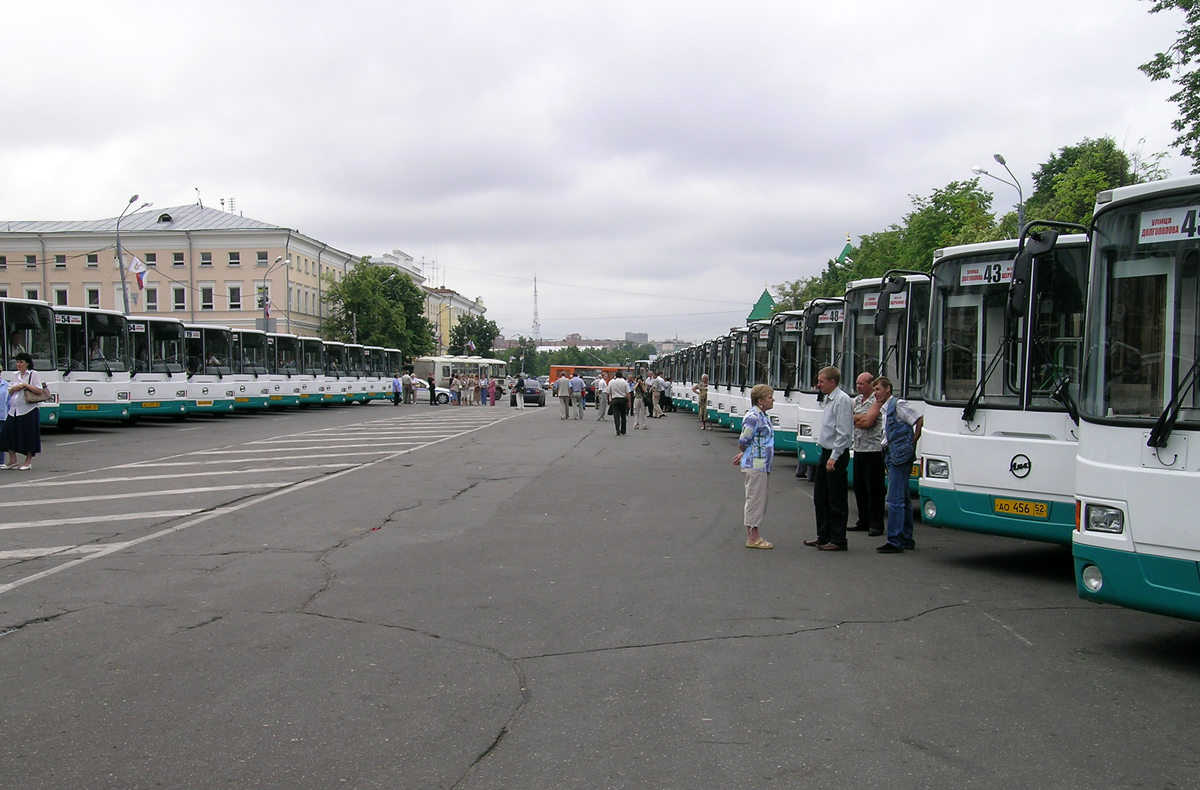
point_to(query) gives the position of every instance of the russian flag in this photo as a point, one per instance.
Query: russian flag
(139, 268)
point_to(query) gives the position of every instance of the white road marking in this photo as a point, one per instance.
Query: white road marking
(221, 511)
(315, 445)
(212, 473)
(140, 494)
(63, 522)
(1006, 628)
(68, 444)
(49, 551)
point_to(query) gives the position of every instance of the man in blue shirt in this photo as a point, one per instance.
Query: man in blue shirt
(830, 492)
(576, 384)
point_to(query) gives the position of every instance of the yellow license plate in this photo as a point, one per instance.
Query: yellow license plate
(88, 407)
(241, 400)
(152, 404)
(204, 403)
(276, 397)
(1021, 507)
(916, 470)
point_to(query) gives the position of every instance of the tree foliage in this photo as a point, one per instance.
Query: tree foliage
(1066, 185)
(1176, 64)
(380, 305)
(473, 328)
(537, 363)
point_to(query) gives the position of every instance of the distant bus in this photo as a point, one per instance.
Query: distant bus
(443, 367)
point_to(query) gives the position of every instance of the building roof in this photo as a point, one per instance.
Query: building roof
(177, 218)
(762, 308)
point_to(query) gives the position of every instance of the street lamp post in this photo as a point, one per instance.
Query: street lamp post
(120, 257)
(266, 295)
(979, 171)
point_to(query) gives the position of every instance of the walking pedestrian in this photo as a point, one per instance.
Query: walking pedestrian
(432, 392)
(519, 391)
(577, 395)
(562, 389)
(397, 388)
(641, 403)
(600, 387)
(618, 399)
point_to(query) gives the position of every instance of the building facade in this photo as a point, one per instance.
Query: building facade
(202, 266)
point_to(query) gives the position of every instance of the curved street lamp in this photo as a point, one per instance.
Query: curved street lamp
(120, 257)
(979, 171)
(266, 294)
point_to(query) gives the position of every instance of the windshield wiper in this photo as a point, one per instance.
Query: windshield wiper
(1058, 382)
(977, 394)
(1160, 434)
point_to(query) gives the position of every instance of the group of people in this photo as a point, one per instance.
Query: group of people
(471, 390)
(20, 423)
(645, 396)
(881, 428)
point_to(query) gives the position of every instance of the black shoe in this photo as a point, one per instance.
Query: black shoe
(888, 548)
(910, 546)
(875, 533)
(857, 528)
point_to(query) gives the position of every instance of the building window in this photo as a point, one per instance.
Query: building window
(31, 293)
(180, 298)
(235, 259)
(151, 300)
(60, 296)
(235, 297)
(261, 257)
(93, 297)
(93, 260)
(3, 291)
(60, 262)
(3, 261)
(206, 297)
(206, 259)
(31, 262)
(177, 259)
(151, 259)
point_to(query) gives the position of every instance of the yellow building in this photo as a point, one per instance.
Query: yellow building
(202, 265)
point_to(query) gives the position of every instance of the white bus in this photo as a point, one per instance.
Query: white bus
(210, 387)
(27, 326)
(158, 383)
(1001, 429)
(443, 367)
(1137, 481)
(94, 363)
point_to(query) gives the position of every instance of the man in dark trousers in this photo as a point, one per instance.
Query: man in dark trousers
(829, 494)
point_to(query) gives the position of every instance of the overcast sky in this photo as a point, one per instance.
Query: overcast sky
(655, 164)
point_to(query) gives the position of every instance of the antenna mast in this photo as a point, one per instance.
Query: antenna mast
(537, 326)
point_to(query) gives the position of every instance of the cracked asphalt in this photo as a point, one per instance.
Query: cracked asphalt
(509, 600)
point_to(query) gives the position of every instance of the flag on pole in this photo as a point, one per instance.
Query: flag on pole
(267, 309)
(137, 267)
(471, 345)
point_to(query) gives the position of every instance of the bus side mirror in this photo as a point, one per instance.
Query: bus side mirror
(1022, 277)
(881, 314)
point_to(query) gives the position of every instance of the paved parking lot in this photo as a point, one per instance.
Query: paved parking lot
(485, 598)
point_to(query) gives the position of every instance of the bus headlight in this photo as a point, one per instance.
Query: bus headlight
(805, 429)
(936, 468)
(930, 510)
(1092, 578)
(1101, 518)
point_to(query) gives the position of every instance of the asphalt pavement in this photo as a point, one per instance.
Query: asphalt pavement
(437, 597)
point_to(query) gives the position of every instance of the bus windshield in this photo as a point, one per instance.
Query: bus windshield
(1142, 340)
(28, 329)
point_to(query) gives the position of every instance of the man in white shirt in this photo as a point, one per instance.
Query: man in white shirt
(562, 390)
(657, 383)
(600, 386)
(830, 492)
(618, 397)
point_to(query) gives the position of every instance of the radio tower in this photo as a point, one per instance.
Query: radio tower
(537, 326)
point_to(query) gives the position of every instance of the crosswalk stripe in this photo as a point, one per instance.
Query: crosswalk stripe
(139, 495)
(63, 522)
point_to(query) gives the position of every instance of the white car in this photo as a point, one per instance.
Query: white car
(421, 393)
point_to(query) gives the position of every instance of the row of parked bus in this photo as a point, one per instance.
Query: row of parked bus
(102, 365)
(1057, 378)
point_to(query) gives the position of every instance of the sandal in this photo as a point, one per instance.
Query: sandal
(759, 544)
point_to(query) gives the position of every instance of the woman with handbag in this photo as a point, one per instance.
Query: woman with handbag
(22, 431)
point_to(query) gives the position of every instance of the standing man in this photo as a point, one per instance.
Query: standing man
(656, 386)
(601, 389)
(432, 391)
(397, 389)
(562, 389)
(618, 396)
(577, 395)
(901, 430)
(519, 391)
(869, 472)
(406, 384)
(829, 496)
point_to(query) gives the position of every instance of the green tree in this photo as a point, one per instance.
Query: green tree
(379, 306)
(1177, 64)
(476, 329)
(1065, 186)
